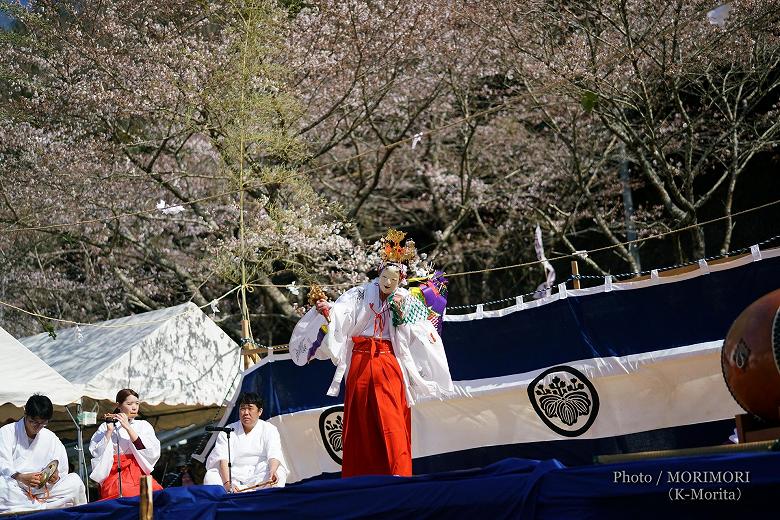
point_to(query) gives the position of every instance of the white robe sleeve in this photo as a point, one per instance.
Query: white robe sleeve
(343, 316)
(218, 452)
(97, 441)
(6, 456)
(420, 352)
(427, 349)
(61, 455)
(334, 344)
(102, 450)
(338, 341)
(274, 450)
(150, 454)
(305, 335)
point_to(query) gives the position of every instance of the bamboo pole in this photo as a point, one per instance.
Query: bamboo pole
(146, 510)
(246, 338)
(575, 271)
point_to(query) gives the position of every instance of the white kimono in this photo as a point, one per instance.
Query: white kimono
(417, 345)
(250, 454)
(104, 448)
(19, 454)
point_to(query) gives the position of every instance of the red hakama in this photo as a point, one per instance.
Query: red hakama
(131, 480)
(377, 436)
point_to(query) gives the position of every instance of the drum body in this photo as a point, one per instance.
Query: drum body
(750, 358)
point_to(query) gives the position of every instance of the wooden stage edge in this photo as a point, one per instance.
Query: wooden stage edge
(773, 445)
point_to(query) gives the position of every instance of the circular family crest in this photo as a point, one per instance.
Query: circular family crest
(565, 400)
(331, 428)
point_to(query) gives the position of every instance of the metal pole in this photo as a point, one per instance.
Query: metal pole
(230, 464)
(118, 458)
(80, 446)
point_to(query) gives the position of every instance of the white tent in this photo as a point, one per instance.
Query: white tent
(23, 374)
(178, 360)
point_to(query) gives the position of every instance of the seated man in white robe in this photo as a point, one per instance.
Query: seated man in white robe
(26, 448)
(255, 451)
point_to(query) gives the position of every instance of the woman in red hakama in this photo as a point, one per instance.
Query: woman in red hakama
(131, 479)
(138, 449)
(377, 435)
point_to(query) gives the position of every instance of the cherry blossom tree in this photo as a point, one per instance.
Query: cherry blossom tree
(148, 150)
(683, 103)
(158, 152)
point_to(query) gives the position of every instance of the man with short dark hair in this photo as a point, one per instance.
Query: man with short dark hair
(255, 449)
(26, 448)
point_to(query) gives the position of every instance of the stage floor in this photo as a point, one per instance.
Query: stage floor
(714, 485)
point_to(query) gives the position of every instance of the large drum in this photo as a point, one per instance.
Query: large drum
(750, 358)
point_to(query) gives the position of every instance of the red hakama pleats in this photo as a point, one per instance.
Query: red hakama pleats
(377, 436)
(131, 480)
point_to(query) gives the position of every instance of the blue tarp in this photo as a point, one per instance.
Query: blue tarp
(512, 488)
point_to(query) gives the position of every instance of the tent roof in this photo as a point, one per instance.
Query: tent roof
(78, 360)
(23, 374)
(173, 356)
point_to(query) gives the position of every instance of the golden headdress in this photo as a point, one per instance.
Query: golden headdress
(393, 252)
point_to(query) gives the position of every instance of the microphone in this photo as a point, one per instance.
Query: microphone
(226, 429)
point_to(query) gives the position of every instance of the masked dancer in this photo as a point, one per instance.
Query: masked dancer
(381, 337)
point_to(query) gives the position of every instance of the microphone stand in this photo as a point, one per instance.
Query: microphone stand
(230, 463)
(118, 458)
(227, 431)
